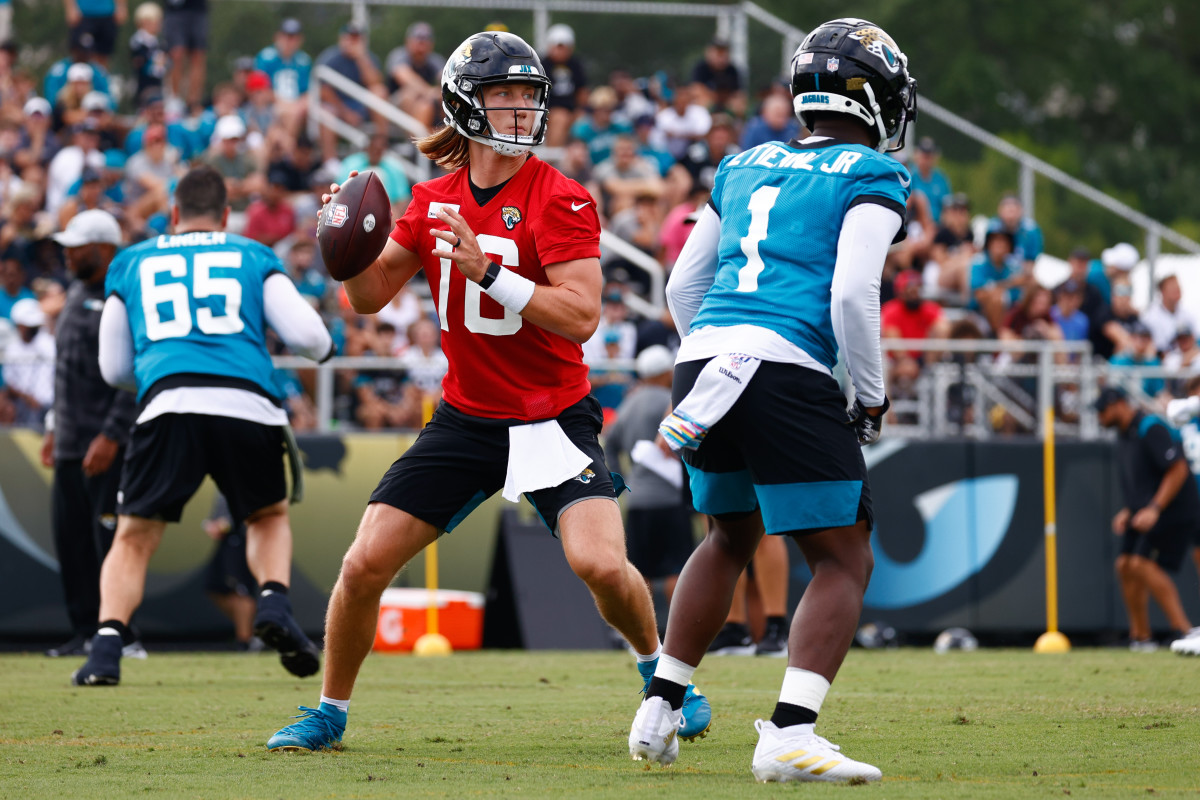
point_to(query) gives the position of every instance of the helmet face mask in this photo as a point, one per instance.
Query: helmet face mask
(851, 66)
(490, 59)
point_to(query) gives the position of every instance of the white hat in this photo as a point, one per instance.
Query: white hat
(560, 34)
(230, 127)
(1123, 256)
(90, 227)
(79, 71)
(654, 360)
(37, 105)
(95, 101)
(28, 313)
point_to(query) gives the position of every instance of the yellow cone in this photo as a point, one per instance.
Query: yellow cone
(1049, 642)
(432, 644)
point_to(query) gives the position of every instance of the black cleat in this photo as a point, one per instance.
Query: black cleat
(733, 640)
(277, 628)
(77, 645)
(103, 666)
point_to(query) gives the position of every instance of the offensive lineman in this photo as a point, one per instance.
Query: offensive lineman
(780, 273)
(184, 325)
(511, 251)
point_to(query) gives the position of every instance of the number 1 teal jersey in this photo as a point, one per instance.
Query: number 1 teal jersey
(781, 209)
(195, 305)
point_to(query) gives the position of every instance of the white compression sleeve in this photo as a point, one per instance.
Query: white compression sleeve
(867, 232)
(694, 270)
(116, 345)
(297, 323)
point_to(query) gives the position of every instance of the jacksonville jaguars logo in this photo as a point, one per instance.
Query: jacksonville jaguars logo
(585, 476)
(511, 216)
(879, 44)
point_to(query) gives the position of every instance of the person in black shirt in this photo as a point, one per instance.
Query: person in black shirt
(717, 82)
(568, 83)
(1161, 510)
(91, 426)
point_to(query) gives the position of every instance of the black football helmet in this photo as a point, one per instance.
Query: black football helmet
(489, 58)
(851, 66)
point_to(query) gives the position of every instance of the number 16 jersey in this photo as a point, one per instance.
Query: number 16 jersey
(501, 365)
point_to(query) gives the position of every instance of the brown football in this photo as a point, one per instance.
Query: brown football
(354, 226)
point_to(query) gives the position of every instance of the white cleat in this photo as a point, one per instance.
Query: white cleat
(654, 733)
(1188, 645)
(796, 753)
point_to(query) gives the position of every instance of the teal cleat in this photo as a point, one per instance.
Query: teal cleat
(697, 712)
(319, 728)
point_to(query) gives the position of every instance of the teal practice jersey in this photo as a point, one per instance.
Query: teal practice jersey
(781, 208)
(195, 303)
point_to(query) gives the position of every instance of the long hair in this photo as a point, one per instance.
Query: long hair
(445, 147)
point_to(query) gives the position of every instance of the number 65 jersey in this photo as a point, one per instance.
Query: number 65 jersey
(195, 306)
(501, 365)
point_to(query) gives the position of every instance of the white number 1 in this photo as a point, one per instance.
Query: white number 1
(761, 203)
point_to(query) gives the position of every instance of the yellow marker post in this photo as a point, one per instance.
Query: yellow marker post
(431, 643)
(1051, 641)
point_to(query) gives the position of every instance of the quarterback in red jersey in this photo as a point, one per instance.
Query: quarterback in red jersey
(511, 250)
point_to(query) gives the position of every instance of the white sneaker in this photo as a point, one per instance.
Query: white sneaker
(652, 736)
(134, 650)
(1188, 644)
(1143, 646)
(795, 753)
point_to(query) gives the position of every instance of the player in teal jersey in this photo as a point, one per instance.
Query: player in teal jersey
(780, 274)
(184, 326)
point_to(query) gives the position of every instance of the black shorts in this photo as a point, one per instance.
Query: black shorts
(97, 34)
(227, 571)
(186, 28)
(458, 461)
(1165, 545)
(783, 448)
(168, 457)
(659, 540)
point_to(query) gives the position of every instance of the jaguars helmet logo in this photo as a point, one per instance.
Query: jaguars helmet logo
(879, 44)
(585, 476)
(511, 216)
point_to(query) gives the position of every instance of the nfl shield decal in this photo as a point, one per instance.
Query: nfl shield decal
(336, 215)
(832, 64)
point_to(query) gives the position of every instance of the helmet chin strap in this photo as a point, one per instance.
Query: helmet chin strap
(882, 146)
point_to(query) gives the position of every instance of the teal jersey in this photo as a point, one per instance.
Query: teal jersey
(781, 209)
(195, 304)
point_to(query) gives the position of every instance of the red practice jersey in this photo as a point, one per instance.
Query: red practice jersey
(502, 365)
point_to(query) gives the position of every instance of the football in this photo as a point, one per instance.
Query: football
(354, 226)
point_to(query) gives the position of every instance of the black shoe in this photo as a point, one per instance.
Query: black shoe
(77, 645)
(774, 641)
(103, 666)
(733, 640)
(277, 628)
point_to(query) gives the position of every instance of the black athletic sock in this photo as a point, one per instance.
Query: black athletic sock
(127, 636)
(777, 623)
(668, 690)
(787, 715)
(273, 586)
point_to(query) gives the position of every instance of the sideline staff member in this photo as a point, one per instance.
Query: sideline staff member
(1162, 508)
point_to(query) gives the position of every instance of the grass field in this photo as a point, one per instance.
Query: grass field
(999, 723)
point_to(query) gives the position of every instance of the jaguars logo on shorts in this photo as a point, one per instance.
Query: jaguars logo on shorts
(585, 476)
(511, 216)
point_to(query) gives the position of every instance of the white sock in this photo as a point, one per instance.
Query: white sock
(674, 670)
(803, 688)
(657, 652)
(343, 705)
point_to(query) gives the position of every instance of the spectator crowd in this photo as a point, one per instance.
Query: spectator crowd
(647, 149)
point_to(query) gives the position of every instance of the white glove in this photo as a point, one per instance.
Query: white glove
(1180, 411)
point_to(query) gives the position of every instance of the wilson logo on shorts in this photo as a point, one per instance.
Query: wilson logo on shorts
(511, 216)
(585, 476)
(337, 214)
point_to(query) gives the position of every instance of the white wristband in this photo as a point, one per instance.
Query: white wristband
(511, 290)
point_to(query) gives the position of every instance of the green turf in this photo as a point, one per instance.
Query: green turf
(1094, 723)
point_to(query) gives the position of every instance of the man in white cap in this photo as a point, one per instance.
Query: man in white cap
(658, 525)
(88, 429)
(29, 364)
(237, 166)
(37, 143)
(568, 82)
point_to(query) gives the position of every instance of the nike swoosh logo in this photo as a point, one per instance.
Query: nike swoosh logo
(581, 205)
(903, 182)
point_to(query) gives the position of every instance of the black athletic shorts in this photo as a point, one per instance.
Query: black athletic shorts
(186, 28)
(227, 571)
(168, 457)
(97, 34)
(1165, 545)
(783, 448)
(659, 540)
(459, 460)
